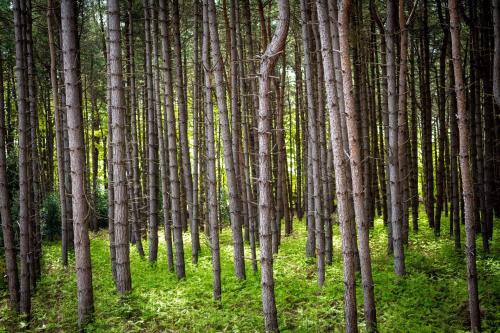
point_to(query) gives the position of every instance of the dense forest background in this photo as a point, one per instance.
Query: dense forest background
(249, 165)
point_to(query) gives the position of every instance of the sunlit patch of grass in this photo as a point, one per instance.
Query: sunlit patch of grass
(428, 299)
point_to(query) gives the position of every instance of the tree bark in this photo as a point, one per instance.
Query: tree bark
(181, 102)
(467, 185)
(267, 63)
(229, 163)
(357, 176)
(399, 265)
(77, 159)
(22, 107)
(210, 156)
(7, 230)
(118, 110)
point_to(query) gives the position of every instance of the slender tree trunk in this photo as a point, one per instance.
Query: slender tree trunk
(210, 151)
(7, 230)
(118, 110)
(163, 143)
(182, 107)
(267, 63)
(427, 120)
(22, 107)
(399, 264)
(195, 238)
(151, 140)
(467, 185)
(77, 158)
(314, 156)
(172, 148)
(357, 175)
(133, 134)
(234, 200)
(59, 131)
(496, 58)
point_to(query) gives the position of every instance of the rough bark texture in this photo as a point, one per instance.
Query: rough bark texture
(267, 63)
(77, 160)
(118, 109)
(210, 156)
(465, 170)
(181, 102)
(172, 146)
(151, 142)
(22, 107)
(7, 230)
(229, 163)
(399, 267)
(359, 200)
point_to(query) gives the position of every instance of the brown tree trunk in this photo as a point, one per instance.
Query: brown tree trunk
(22, 107)
(352, 119)
(118, 110)
(210, 156)
(182, 107)
(267, 63)
(7, 230)
(234, 200)
(136, 191)
(467, 185)
(399, 264)
(77, 159)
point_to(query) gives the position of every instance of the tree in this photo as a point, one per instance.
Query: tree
(359, 201)
(172, 145)
(118, 110)
(77, 159)
(24, 220)
(496, 63)
(465, 170)
(229, 162)
(7, 230)
(210, 152)
(151, 141)
(267, 63)
(394, 176)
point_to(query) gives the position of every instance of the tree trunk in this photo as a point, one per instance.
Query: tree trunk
(133, 134)
(234, 200)
(22, 107)
(7, 230)
(357, 177)
(210, 156)
(496, 58)
(467, 185)
(267, 63)
(399, 264)
(152, 142)
(118, 110)
(181, 102)
(172, 146)
(77, 159)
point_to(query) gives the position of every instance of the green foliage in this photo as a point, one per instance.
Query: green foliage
(102, 208)
(431, 298)
(51, 216)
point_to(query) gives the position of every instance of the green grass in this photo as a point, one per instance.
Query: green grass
(431, 298)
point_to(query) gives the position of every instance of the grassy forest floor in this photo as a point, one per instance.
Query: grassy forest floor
(431, 298)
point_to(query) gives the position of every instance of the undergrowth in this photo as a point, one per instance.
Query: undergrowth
(432, 297)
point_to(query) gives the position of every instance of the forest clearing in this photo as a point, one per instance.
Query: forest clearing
(249, 165)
